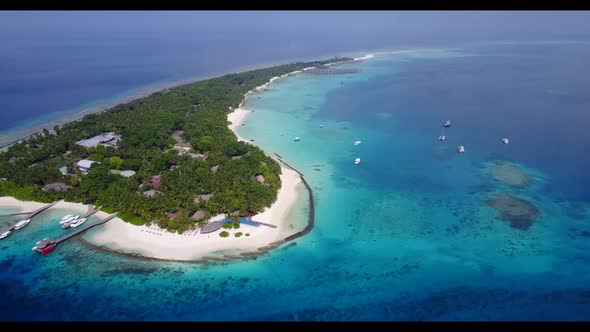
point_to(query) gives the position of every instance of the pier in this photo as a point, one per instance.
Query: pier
(47, 245)
(28, 215)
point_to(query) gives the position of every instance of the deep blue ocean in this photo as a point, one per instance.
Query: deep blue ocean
(408, 234)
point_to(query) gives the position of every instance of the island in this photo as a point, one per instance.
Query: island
(168, 161)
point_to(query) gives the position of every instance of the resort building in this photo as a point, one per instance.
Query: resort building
(199, 215)
(84, 165)
(127, 173)
(106, 139)
(63, 170)
(211, 227)
(150, 193)
(155, 182)
(56, 186)
(202, 198)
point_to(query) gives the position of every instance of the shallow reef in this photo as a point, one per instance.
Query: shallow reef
(510, 174)
(520, 213)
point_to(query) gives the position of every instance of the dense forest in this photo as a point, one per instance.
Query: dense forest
(224, 170)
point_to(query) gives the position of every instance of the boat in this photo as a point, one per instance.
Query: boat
(357, 142)
(505, 140)
(22, 223)
(297, 139)
(321, 126)
(441, 138)
(36, 244)
(78, 222)
(357, 161)
(461, 149)
(5, 234)
(48, 249)
(447, 124)
(67, 216)
(69, 219)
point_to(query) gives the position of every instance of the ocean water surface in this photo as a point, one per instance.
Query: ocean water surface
(415, 232)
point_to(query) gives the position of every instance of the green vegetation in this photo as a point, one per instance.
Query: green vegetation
(238, 234)
(115, 162)
(200, 110)
(227, 226)
(236, 224)
(224, 234)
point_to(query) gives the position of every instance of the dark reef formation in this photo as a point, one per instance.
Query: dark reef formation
(520, 213)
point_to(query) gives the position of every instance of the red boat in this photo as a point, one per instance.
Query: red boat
(48, 249)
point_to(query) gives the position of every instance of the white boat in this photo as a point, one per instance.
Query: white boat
(441, 138)
(357, 161)
(78, 222)
(22, 223)
(69, 219)
(297, 139)
(447, 124)
(35, 247)
(461, 149)
(67, 216)
(5, 234)
(321, 126)
(505, 140)
(357, 142)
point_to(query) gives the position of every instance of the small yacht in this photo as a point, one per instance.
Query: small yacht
(447, 124)
(297, 139)
(357, 142)
(321, 126)
(357, 161)
(441, 138)
(69, 218)
(461, 149)
(5, 234)
(78, 222)
(22, 223)
(505, 140)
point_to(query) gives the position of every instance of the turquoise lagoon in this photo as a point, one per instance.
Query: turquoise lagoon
(408, 234)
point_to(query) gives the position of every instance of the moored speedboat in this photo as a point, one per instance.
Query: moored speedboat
(67, 216)
(22, 223)
(48, 249)
(441, 138)
(296, 139)
(461, 149)
(78, 222)
(5, 234)
(69, 219)
(447, 124)
(505, 140)
(357, 161)
(357, 142)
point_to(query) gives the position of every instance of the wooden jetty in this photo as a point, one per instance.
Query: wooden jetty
(45, 246)
(28, 215)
